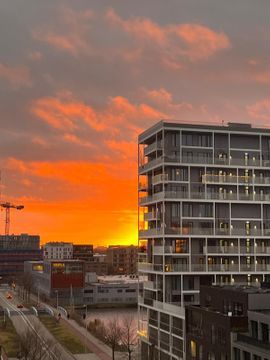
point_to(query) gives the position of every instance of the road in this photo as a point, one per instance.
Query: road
(24, 321)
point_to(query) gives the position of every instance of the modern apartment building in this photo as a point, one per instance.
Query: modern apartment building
(58, 251)
(204, 205)
(83, 252)
(122, 259)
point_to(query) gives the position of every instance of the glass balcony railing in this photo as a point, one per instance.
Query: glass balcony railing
(168, 195)
(207, 160)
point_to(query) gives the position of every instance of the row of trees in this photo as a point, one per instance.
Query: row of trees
(119, 335)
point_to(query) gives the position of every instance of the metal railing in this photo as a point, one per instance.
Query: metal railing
(166, 195)
(203, 160)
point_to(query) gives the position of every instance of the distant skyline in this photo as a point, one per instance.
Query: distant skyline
(80, 79)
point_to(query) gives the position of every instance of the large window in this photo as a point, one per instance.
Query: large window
(193, 349)
(254, 329)
(265, 332)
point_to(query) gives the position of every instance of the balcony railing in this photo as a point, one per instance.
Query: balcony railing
(157, 145)
(157, 179)
(203, 160)
(210, 178)
(175, 268)
(252, 341)
(167, 195)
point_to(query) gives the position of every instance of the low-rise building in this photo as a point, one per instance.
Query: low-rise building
(98, 265)
(83, 252)
(14, 251)
(111, 290)
(122, 259)
(213, 327)
(255, 343)
(58, 251)
(61, 281)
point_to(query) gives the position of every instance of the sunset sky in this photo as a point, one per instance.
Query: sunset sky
(80, 79)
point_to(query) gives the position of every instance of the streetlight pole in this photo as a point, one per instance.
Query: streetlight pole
(56, 299)
(38, 294)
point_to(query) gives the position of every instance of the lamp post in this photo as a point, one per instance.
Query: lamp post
(56, 299)
(85, 322)
(38, 294)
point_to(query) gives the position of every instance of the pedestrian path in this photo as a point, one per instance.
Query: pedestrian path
(100, 351)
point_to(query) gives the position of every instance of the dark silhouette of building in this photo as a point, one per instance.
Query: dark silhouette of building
(14, 251)
(122, 259)
(83, 252)
(223, 310)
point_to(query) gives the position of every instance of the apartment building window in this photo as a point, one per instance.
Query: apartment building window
(254, 329)
(246, 355)
(236, 354)
(256, 357)
(180, 246)
(265, 332)
(210, 356)
(237, 308)
(193, 349)
(213, 334)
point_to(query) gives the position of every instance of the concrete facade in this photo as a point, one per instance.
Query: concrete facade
(122, 259)
(57, 251)
(204, 195)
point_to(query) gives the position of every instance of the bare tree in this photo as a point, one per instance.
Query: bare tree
(33, 346)
(129, 336)
(26, 284)
(112, 335)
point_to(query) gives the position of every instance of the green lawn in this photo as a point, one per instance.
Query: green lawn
(63, 335)
(9, 339)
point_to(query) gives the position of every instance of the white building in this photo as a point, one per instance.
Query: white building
(111, 290)
(58, 251)
(204, 208)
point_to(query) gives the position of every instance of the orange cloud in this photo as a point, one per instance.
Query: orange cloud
(71, 33)
(15, 76)
(201, 42)
(262, 77)
(175, 42)
(67, 114)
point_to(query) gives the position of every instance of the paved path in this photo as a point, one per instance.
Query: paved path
(24, 321)
(101, 350)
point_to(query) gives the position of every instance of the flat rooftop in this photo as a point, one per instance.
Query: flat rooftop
(230, 126)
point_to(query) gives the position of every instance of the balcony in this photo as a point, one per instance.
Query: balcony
(150, 216)
(246, 339)
(157, 145)
(150, 285)
(262, 267)
(221, 249)
(229, 179)
(178, 195)
(158, 250)
(262, 250)
(161, 178)
(148, 267)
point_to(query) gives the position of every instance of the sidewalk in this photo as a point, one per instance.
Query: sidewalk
(101, 350)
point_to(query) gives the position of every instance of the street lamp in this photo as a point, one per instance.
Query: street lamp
(38, 294)
(56, 299)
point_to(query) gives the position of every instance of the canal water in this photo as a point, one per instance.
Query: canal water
(106, 315)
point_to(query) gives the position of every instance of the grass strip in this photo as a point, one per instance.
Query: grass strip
(9, 338)
(63, 335)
